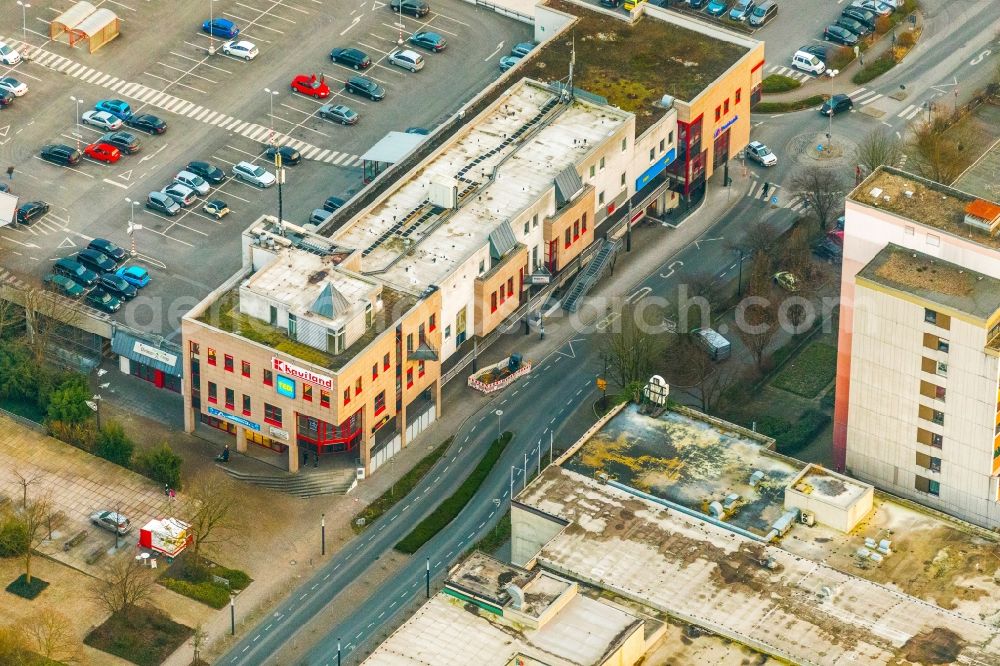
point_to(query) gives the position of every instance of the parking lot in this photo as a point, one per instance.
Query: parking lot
(218, 109)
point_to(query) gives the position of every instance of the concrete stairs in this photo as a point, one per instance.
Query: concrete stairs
(304, 485)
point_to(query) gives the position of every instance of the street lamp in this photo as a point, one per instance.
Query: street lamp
(76, 119)
(739, 282)
(499, 413)
(399, 22)
(132, 226)
(211, 25)
(24, 19)
(271, 94)
(232, 615)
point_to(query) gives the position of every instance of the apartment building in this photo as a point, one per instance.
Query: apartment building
(918, 372)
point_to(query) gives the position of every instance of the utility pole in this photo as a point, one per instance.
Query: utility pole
(322, 534)
(427, 585)
(232, 615)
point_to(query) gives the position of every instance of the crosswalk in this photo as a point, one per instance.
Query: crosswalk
(794, 202)
(789, 72)
(179, 106)
(910, 112)
(863, 96)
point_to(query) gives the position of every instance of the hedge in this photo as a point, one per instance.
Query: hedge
(790, 438)
(797, 105)
(810, 372)
(211, 594)
(776, 83)
(454, 504)
(873, 69)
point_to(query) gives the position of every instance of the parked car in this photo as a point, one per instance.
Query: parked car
(763, 13)
(362, 85)
(509, 61)
(522, 49)
(876, 6)
(63, 286)
(339, 113)
(148, 123)
(717, 7)
(162, 203)
(761, 154)
(835, 33)
(116, 285)
(827, 249)
(209, 172)
(351, 57)
(289, 156)
(13, 86)
(8, 55)
(423, 131)
(99, 298)
(836, 104)
(333, 203)
(103, 152)
(123, 141)
(808, 62)
(787, 281)
(217, 208)
(240, 49)
(858, 28)
(182, 194)
(102, 120)
(818, 50)
(860, 15)
(306, 84)
(220, 27)
(429, 40)
(116, 107)
(253, 174)
(407, 59)
(75, 271)
(741, 10)
(137, 276)
(194, 181)
(60, 153)
(697, 4)
(114, 522)
(96, 261)
(416, 8)
(106, 247)
(320, 216)
(30, 211)
(6, 99)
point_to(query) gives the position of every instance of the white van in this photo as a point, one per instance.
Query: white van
(808, 62)
(718, 347)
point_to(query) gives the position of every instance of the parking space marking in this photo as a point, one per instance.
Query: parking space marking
(186, 72)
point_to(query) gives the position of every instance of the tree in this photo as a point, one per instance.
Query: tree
(693, 370)
(127, 585)
(759, 283)
(795, 256)
(198, 642)
(212, 510)
(25, 479)
(68, 403)
(878, 148)
(937, 154)
(34, 517)
(46, 315)
(822, 190)
(629, 349)
(52, 636)
(114, 445)
(13, 538)
(160, 464)
(759, 237)
(14, 650)
(756, 325)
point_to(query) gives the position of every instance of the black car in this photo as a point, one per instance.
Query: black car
(147, 123)
(117, 286)
(351, 57)
(126, 142)
(102, 300)
(429, 40)
(96, 261)
(333, 203)
(27, 213)
(858, 28)
(362, 85)
(411, 7)
(289, 156)
(60, 153)
(827, 249)
(6, 99)
(862, 16)
(817, 50)
(836, 104)
(209, 172)
(108, 249)
(835, 33)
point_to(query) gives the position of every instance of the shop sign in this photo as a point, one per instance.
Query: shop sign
(154, 353)
(381, 422)
(729, 123)
(655, 169)
(285, 386)
(235, 419)
(301, 373)
(278, 432)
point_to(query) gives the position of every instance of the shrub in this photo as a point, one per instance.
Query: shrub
(873, 69)
(797, 105)
(160, 464)
(80, 435)
(906, 40)
(790, 438)
(68, 403)
(839, 58)
(114, 445)
(211, 594)
(777, 83)
(400, 489)
(883, 24)
(13, 537)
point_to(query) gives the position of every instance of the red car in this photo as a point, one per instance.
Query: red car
(311, 86)
(103, 152)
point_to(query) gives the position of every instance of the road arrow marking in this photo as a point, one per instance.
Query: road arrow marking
(499, 46)
(672, 269)
(698, 243)
(353, 23)
(979, 58)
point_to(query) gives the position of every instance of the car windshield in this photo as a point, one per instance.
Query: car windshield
(4, 50)
(257, 171)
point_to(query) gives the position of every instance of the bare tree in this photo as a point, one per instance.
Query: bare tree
(126, 585)
(629, 349)
(212, 510)
(822, 190)
(25, 480)
(693, 369)
(937, 153)
(34, 517)
(795, 255)
(14, 649)
(761, 267)
(757, 329)
(46, 314)
(760, 236)
(52, 636)
(878, 148)
(198, 642)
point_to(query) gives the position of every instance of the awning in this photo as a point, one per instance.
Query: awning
(393, 147)
(159, 355)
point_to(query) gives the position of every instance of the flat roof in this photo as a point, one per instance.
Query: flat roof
(428, 244)
(393, 147)
(835, 489)
(929, 203)
(633, 65)
(448, 632)
(796, 608)
(486, 577)
(934, 280)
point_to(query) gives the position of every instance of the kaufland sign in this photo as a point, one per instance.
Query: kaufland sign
(301, 373)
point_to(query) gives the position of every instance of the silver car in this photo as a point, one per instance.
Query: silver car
(112, 521)
(194, 181)
(182, 194)
(253, 174)
(102, 119)
(407, 59)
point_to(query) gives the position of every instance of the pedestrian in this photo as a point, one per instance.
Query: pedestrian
(766, 188)
(166, 490)
(10, 173)
(315, 459)
(173, 495)
(305, 458)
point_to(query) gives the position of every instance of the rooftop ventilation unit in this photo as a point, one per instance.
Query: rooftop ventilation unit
(443, 192)
(516, 595)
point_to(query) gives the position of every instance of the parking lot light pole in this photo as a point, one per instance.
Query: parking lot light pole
(270, 116)
(232, 615)
(132, 226)
(24, 20)
(76, 119)
(322, 534)
(211, 21)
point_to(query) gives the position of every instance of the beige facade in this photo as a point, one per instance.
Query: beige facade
(569, 230)
(498, 291)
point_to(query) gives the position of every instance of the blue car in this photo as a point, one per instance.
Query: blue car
(717, 7)
(116, 107)
(134, 275)
(220, 27)
(507, 62)
(741, 10)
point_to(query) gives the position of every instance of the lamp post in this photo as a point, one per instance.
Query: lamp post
(322, 534)
(739, 281)
(270, 96)
(24, 19)
(76, 119)
(132, 226)
(232, 615)
(499, 413)
(211, 25)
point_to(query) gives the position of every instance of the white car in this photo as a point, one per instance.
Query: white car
(13, 86)
(253, 174)
(194, 181)
(182, 194)
(9, 56)
(240, 49)
(875, 6)
(758, 152)
(102, 119)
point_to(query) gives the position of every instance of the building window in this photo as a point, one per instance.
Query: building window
(421, 335)
(937, 441)
(593, 170)
(568, 239)
(273, 315)
(942, 369)
(652, 154)
(576, 229)
(213, 392)
(374, 371)
(357, 386)
(420, 368)
(600, 198)
(347, 395)
(623, 179)
(307, 392)
(942, 345)
(293, 326)
(502, 293)
(409, 342)
(369, 315)
(933, 240)
(940, 392)
(246, 405)
(268, 378)
(602, 164)
(380, 403)
(718, 113)
(447, 332)
(663, 143)
(482, 266)
(526, 228)
(583, 223)
(624, 144)
(930, 316)
(432, 322)
(385, 362)
(409, 377)
(725, 106)
(245, 368)
(194, 347)
(738, 95)
(230, 398)
(937, 417)
(926, 485)
(228, 363)
(324, 398)
(211, 356)
(510, 286)
(670, 137)
(272, 414)
(534, 221)
(493, 302)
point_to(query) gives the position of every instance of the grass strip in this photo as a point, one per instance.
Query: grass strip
(454, 504)
(776, 83)
(810, 372)
(400, 489)
(874, 69)
(796, 105)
